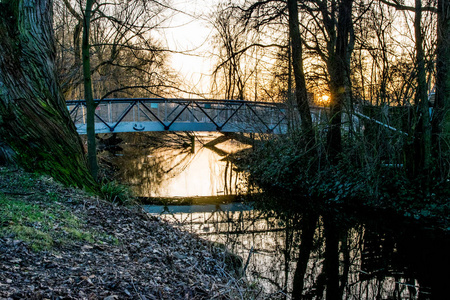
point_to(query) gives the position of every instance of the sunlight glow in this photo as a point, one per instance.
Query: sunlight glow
(323, 100)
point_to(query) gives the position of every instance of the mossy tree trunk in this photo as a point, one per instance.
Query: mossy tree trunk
(34, 120)
(88, 94)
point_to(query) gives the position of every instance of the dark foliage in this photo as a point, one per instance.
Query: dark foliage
(286, 163)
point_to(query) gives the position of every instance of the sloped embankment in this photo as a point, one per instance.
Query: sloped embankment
(59, 243)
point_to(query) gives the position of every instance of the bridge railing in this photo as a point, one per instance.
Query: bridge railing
(156, 114)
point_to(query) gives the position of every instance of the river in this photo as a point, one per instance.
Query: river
(314, 252)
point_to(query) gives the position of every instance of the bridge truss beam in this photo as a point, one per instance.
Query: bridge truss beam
(158, 114)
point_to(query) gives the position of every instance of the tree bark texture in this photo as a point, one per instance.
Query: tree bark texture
(441, 116)
(299, 76)
(338, 68)
(34, 120)
(423, 126)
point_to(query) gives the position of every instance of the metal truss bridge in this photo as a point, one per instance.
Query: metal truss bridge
(160, 114)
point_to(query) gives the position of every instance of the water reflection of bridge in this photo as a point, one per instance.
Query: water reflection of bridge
(160, 114)
(230, 219)
(241, 228)
(369, 264)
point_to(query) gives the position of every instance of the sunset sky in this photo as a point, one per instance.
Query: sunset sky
(189, 32)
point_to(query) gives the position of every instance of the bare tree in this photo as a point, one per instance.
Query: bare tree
(330, 35)
(88, 94)
(231, 36)
(110, 29)
(125, 56)
(423, 128)
(420, 158)
(299, 75)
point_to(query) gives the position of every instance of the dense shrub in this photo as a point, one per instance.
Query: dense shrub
(287, 163)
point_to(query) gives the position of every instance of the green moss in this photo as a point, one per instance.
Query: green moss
(80, 235)
(38, 239)
(66, 168)
(43, 225)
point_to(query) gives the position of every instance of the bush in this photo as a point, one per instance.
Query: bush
(282, 162)
(289, 163)
(361, 177)
(116, 193)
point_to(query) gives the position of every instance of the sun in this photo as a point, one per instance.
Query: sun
(323, 100)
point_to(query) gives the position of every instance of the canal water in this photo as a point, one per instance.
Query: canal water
(315, 253)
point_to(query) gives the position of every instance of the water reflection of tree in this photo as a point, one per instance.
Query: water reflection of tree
(328, 255)
(146, 159)
(355, 260)
(308, 228)
(230, 173)
(247, 232)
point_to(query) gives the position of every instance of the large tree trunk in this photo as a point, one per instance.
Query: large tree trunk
(338, 65)
(34, 121)
(423, 128)
(299, 76)
(441, 117)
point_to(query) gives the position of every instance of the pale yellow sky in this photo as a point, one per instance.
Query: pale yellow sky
(189, 32)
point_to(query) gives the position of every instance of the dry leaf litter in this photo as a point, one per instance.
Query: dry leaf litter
(149, 258)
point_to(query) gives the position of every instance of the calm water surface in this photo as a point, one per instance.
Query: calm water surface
(316, 254)
(168, 165)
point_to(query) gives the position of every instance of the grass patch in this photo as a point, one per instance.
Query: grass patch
(35, 209)
(43, 224)
(17, 181)
(116, 193)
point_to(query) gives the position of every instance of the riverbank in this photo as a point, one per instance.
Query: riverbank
(58, 242)
(285, 165)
